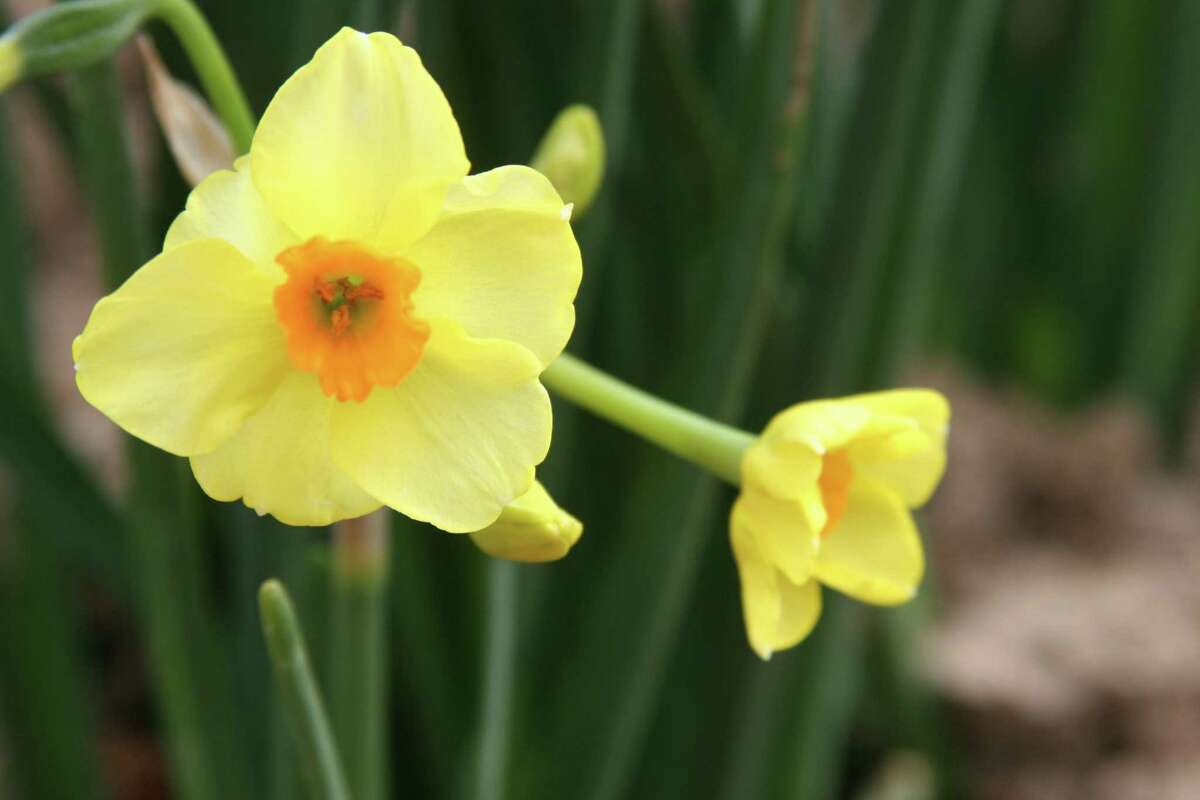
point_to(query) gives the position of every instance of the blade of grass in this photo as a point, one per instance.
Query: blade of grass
(358, 664)
(42, 679)
(923, 259)
(1166, 303)
(42, 674)
(643, 623)
(309, 572)
(914, 719)
(49, 478)
(805, 705)
(499, 682)
(865, 213)
(298, 690)
(425, 665)
(191, 682)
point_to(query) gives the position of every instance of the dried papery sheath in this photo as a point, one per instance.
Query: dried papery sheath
(196, 138)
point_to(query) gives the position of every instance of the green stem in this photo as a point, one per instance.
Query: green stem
(693, 437)
(212, 66)
(300, 696)
(358, 654)
(498, 680)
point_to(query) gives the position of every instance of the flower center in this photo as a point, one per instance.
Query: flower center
(837, 473)
(347, 314)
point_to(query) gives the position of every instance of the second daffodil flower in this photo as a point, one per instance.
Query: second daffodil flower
(346, 319)
(825, 499)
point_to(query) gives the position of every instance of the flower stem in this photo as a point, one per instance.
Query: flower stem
(219, 80)
(300, 696)
(499, 671)
(693, 437)
(358, 655)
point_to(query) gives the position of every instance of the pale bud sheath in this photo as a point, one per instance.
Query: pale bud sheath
(532, 528)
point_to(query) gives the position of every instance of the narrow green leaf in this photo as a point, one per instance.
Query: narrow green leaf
(358, 656)
(191, 677)
(499, 685)
(301, 697)
(1163, 325)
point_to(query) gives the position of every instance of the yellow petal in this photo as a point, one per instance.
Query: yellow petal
(777, 612)
(822, 425)
(502, 261)
(457, 439)
(782, 530)
(280, 462)
(786, 470)
(874, 553)
(227, 206)
(532, 528)
(800, 608)
(909, 463)
(359, 144)
(185, 350)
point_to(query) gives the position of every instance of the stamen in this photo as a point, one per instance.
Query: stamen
(326, 291)
(363, 291)
(339, 320)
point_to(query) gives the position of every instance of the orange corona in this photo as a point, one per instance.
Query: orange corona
(347, 314)
(837, 473)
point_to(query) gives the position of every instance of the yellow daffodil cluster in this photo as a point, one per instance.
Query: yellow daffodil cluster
(348, 320)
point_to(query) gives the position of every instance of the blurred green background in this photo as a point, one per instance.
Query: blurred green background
(998, 198)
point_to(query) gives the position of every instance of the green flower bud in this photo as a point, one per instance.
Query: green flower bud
(531, 528)
(10, 64)
(571, 155)
(68, 36)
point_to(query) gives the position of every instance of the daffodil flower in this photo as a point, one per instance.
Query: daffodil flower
(825, 499)
(825, 491)
(346, 319)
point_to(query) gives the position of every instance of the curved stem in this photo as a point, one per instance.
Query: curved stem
(693, 437)
(207, 56)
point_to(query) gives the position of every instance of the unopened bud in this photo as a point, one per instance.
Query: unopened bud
(10, 64)
(67, 36)
(571, 155)
(531, 528)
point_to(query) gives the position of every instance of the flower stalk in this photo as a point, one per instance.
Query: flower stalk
(693, 437)
(358, 658)
(212, 66)
(499, 677)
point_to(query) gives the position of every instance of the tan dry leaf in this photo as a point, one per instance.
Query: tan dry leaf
(195, 135)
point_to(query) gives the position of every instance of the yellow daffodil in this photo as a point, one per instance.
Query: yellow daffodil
(826, 493)
(346, 319)
(532, 528)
